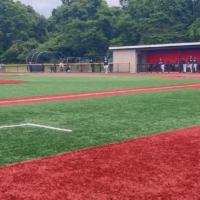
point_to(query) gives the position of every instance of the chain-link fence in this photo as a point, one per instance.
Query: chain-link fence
(68, 67)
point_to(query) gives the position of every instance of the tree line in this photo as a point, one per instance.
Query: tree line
(88, 27)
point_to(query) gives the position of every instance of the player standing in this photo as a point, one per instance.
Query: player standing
(106, 65)
(190, 63)
(195, 62)
(61, 66)
(162, 66)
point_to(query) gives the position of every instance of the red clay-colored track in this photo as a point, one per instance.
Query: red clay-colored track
(37, 99)
(9, 75)
(198, 87)
(181, 77)
(11, 81)
(163, 166)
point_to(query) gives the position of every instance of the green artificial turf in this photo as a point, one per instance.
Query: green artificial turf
(94, 121)
(67, 83)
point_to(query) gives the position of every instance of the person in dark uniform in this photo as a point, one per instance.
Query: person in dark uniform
(2, 69)
(55, 67)
(190, 63)
(168, 66)
(29, 67)
(42, 67)
(92, 65)
(173, 67)
(177, 66)
(162, 66)
(157, 67)
(52, 68)
(195, 63)
(68, 69)
(105, 65)
(150, 68)
(198, 67)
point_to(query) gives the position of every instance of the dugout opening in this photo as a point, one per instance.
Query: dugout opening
(142, 55)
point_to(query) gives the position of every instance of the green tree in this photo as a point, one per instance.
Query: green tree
(194, 30)
(160, 21)
(81, 29)
(19, 23)
(88, 27)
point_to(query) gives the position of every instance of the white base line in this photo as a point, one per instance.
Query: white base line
(36, 125)
(12, 126)
(49, 127)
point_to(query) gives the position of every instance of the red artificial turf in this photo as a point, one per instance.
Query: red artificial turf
(9, 75)
(171, 77)
(198, 86)
(60, 97)
(162, 166)
(11, 81)
(183, 76)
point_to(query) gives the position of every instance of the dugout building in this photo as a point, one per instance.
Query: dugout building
(142, 55)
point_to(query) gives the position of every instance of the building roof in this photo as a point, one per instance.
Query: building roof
(157, 46)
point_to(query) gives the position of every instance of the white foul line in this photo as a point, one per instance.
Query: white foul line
(12, 126)
(96, 93)
(49, 127)
(36, 125)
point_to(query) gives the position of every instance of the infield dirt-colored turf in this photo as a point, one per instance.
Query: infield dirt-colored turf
(11, 81)
(162, 166)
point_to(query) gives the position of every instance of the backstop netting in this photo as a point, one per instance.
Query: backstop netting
(36, 60)
(44, 57)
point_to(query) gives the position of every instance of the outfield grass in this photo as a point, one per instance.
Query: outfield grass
(94, 121)
(44, 85)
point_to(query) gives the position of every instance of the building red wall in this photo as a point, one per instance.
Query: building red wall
(172, 56)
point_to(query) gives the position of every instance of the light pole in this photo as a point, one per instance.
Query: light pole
(123, 3)
(193, 2)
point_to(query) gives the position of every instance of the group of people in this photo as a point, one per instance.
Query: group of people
(105, 65)
(62, 67)
(181, 66)
(67, 68)
(192, 65)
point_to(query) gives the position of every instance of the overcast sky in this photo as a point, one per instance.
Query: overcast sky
(45, 7)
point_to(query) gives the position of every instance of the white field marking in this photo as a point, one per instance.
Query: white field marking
(49, 127)
(96, 93)
(13, 126)
(36, 125)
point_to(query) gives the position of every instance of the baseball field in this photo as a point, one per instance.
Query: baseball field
(94, 136)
